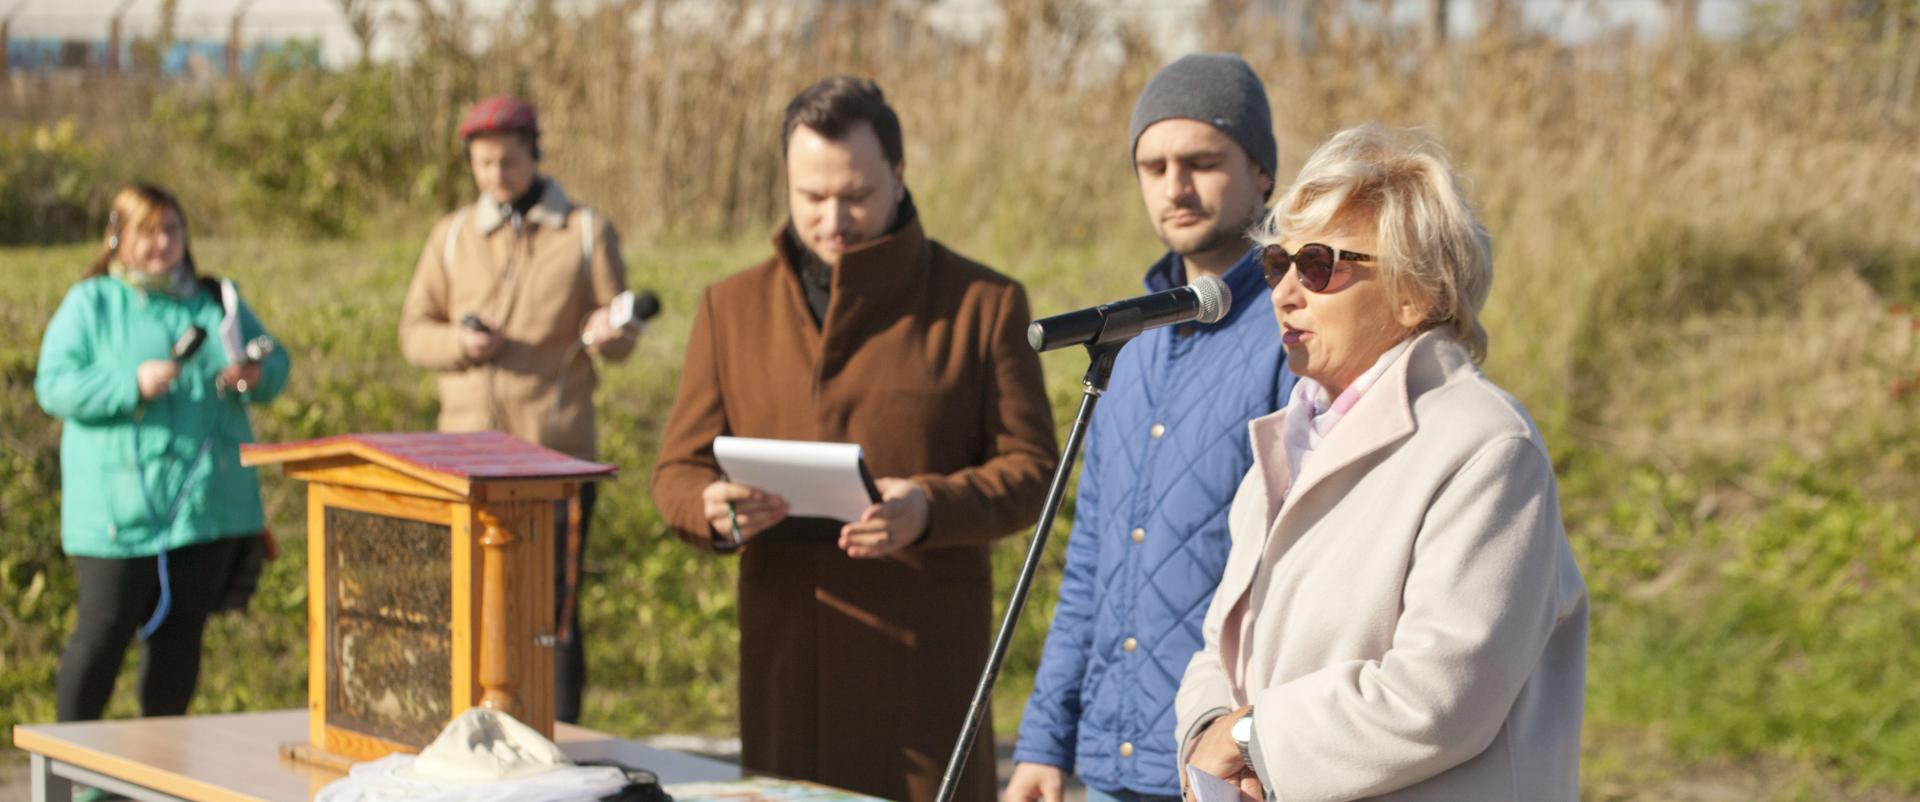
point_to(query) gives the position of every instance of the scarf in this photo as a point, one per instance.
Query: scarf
(1311, 416)
(177, 282)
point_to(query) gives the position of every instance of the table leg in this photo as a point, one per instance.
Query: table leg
(48, 786)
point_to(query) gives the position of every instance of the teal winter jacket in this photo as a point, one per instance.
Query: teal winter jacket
(142, 477)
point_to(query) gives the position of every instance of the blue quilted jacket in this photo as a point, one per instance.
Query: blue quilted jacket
(1166, 450)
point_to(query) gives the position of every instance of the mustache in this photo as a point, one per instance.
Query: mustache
(1196, 210)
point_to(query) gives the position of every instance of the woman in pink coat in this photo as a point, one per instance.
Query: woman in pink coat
(1401, 617)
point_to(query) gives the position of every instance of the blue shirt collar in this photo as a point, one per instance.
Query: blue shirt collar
(1244, 279)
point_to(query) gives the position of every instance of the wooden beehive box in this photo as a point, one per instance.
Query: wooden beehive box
(430, 581)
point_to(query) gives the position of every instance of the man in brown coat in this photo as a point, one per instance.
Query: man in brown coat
(508, 304)
(860, 642)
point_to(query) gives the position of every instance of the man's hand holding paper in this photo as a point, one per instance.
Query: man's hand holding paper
(816, 480)
(897, 521)
(751, 509)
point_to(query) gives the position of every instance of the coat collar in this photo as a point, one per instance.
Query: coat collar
(1383, 417)
(550, 211)
(872, 276)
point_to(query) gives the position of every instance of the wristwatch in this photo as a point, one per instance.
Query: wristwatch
(1242, 733)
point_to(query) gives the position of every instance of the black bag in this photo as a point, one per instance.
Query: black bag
(642, 785)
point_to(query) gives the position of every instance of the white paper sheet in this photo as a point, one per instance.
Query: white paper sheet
(230, 336)
(818, 480)
(1208, 788)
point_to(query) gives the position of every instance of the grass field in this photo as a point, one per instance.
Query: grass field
(1751, 604)
(663, 617)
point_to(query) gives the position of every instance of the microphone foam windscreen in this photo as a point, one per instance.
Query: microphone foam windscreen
(645, 305)
(1215, 298)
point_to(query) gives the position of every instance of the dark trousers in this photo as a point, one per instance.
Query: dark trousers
(570, 656)
(117, 596)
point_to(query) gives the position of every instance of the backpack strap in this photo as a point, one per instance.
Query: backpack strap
(446, 248)
(586, 238)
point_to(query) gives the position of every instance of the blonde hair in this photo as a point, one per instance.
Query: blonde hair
(1432, 248)
(136, 208)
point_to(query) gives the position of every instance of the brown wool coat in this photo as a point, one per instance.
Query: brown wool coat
(857, 673)
(539, 285)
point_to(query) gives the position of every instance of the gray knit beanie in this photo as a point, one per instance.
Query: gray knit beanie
(1214, 88)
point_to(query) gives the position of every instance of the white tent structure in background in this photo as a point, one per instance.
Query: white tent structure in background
(217, 35)
(228, 35)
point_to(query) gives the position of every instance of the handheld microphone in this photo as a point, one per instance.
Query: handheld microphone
(189, 342)
(627, 308)
(1206, 300)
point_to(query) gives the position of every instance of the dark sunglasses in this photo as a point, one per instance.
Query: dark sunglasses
(1318, 264)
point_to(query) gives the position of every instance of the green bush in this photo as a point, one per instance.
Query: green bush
(305, 151)
(1777, 636)
(53, 182)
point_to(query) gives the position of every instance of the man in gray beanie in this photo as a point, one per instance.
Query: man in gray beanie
(1203, 192)
(1164, 455)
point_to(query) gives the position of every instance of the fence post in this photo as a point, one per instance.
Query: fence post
(1683, 19)
(114, 28)
(1499, 18)
(233, 41)
(1436, 22)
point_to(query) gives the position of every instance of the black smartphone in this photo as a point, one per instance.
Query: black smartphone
(472, 322)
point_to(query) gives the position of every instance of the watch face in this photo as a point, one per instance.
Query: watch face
(1243, 730)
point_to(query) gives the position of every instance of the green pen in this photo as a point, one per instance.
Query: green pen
(733, 521)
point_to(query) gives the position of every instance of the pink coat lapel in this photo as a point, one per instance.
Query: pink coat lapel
(1382, 417)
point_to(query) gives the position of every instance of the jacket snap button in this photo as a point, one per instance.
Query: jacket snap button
(1158, 430)
(1139, 535)
(1129, 644)
(1126, 750)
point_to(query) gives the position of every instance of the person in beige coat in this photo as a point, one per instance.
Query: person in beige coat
(1401, 617)
(509, 306)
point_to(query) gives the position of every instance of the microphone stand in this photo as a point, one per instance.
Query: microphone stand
(1099, 371)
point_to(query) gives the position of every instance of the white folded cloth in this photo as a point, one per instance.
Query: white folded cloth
(482, 756)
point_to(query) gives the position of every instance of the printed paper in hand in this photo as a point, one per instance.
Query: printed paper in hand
(1208, 788)
(818, 480)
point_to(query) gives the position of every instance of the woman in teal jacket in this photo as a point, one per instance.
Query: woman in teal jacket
(156, 511)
